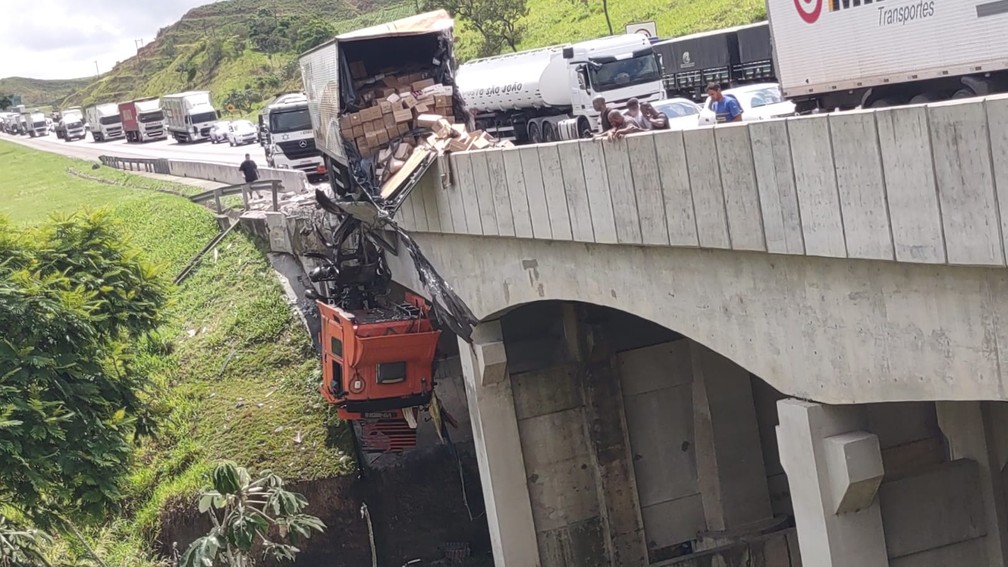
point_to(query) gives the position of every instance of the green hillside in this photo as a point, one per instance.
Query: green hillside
(41, 92)
(215, 47)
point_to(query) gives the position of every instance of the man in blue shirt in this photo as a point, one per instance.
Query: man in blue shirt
(727, 109)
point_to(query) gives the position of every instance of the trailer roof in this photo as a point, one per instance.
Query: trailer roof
(425, 23)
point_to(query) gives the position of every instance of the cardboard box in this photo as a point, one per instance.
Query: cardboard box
(393, 98)
(372, 138)
(345, 122)
(442, 100)
(390, 81)
(422, 84)
(403, 151)
(371, 113)
(358, 131)
(409, 100)
(355, 119)
(385, 106)
(403, 128)
(390, 121)
(420, 110)
(402, 115)
(383, 137)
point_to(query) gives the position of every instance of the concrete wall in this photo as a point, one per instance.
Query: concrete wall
(292, 180)
(919, 184)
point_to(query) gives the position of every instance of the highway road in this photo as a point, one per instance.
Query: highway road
(169, 149)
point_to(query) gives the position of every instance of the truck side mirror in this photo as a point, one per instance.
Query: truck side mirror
(582, 76)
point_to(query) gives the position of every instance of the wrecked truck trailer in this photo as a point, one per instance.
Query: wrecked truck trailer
(366, 91)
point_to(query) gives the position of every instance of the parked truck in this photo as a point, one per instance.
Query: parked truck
(104, 122)
(546, 94)
(34, 124)
(731, 57)
(143, 120)
(288, 138)
(845, 53)
(189, 115)
(71, 124)
(350, 77)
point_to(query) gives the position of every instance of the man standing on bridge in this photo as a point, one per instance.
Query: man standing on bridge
(726, 109)
(250, 170)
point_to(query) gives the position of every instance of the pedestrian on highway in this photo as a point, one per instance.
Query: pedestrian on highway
(635, 116)
(621, 125)
(250, 170)
(600, 106)
(726, 109)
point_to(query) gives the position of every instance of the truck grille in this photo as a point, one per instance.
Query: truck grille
(294, 150)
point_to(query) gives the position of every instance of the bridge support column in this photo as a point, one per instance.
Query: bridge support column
(834, 469)
(498, 448)
(968, 427)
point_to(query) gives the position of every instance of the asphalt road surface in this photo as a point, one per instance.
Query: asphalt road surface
(168, 149)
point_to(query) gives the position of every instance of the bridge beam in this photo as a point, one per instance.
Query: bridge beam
(498, 448)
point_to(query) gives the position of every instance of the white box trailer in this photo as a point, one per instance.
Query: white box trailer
(845, 53)
(104, 122)
(189, 115)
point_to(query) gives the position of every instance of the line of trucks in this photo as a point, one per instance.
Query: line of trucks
(24, 122)
(826, 55)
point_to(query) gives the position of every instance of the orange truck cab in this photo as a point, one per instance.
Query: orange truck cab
(377, 364)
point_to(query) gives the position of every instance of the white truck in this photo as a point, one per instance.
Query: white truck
(71, 124)
(103, 122)
(545, 95)
(842, 54)
(189, 115)
(34, 124)
(143, 120)
(288, 137)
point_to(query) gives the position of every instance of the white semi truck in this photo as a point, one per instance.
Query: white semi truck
(833, 54)
(546, 94)
(189, 115)
(71, 124)
(34, 124)
(288, 137)
(104, 122)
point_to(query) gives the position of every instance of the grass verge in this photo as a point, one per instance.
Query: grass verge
(232, 367)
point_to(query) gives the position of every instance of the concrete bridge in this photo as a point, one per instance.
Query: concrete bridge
(695, 345)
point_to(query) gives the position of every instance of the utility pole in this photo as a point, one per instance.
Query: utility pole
(138, 43)
(97, 72)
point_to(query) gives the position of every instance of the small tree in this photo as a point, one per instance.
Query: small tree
(243, 512)
(498, 21)
(5, 102)
(21, 546)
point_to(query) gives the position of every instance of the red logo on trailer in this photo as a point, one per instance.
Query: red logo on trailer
(809, 10)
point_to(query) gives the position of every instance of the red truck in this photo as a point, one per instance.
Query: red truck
(143, 120)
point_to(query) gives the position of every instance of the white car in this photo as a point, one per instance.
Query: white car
(759, 102)
(682, 113)
(219, 131)
(242, 132)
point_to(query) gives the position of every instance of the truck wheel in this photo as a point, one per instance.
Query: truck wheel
(584, 128)
(549, 133)
(964, 92)
(534, 135)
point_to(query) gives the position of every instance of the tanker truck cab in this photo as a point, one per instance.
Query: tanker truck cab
(104, 122)
(545, 95)
(288, 136)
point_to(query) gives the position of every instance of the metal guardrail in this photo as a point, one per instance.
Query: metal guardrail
(137, 164)
(274, 186)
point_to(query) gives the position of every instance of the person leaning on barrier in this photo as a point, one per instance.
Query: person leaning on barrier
(635, 116)
(658, 120)
(621, 125)
(600, 106)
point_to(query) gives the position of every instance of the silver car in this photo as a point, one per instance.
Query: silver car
(219, 131)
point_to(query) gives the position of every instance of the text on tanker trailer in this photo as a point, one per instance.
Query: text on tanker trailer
(104, 122)
(546, 94)
(71, 124)
(845, 53)
(143, 120)
(366, 88)
(189, 115)
(288, 136)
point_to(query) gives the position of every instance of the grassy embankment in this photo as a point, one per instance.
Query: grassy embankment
(232, 366)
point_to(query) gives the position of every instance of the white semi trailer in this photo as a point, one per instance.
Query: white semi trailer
(71, 124)
(846, 53)
(189, 115)
(34, 124)
(104, 122)
(546, 94)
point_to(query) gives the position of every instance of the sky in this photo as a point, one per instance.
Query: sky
(62, 39)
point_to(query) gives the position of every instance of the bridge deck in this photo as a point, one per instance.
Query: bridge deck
(919, 184)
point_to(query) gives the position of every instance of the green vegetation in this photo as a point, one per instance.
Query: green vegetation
(41, 92)
(231, 365)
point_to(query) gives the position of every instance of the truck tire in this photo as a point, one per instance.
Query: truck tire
(534, 134)
(549, 132)
(584, 128)
(964, 92)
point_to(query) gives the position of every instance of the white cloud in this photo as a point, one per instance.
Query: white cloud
(62, 39)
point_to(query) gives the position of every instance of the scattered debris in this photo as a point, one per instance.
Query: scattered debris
(279, 429)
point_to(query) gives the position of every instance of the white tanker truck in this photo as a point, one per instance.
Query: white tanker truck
(545, 95)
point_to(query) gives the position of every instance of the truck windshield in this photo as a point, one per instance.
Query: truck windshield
(625, 73)
(204, 117)
(290, 121)
(151, 117)
(109, 120)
